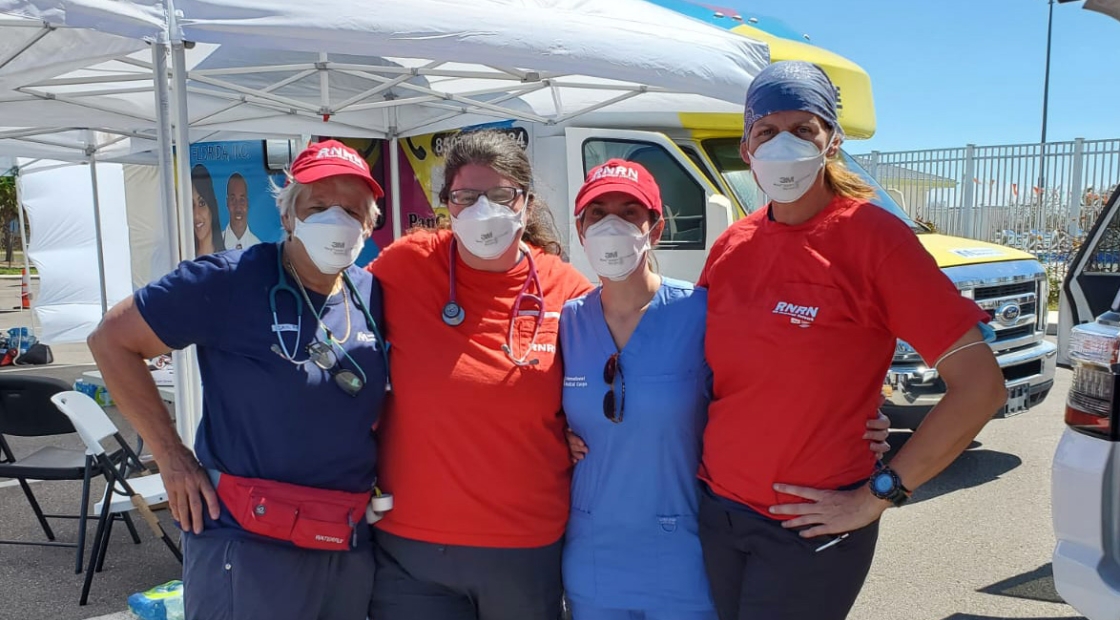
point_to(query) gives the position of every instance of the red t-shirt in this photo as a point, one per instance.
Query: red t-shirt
(472, 446)
(802, 322)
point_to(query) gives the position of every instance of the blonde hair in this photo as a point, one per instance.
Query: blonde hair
(845, 183)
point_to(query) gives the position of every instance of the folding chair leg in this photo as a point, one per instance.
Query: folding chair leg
(83, 515)
(105, 541)
(37, 510)
(172, 546)
(131, 528)
(96, 549)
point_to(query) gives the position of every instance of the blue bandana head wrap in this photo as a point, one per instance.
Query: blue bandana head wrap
(791, 85)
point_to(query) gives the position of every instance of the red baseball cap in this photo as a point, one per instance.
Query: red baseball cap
(619, 175)
(332, 158)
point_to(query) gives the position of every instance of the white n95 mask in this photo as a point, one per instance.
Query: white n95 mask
(614, 247)
(333, 239)
(786, 166)
(487, 229)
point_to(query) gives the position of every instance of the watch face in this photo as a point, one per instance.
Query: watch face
(882, 483)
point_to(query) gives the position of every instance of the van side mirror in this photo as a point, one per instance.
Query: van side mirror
(717, 217)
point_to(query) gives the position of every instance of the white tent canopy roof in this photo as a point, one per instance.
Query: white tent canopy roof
(406, 68)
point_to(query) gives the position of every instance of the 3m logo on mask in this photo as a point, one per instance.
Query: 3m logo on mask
(340, 153)
(801, 316)
(623, 172)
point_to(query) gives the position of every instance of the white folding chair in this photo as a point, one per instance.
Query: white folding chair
(121, 495)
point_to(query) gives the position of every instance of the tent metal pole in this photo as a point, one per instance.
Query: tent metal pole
(92, 150)
(395, 175)
(166, 161)
(23, 245)
(188, 382)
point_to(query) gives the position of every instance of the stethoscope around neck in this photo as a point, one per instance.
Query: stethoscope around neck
(453, 314)
(282, 286)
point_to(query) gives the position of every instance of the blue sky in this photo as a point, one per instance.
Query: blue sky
(946, 73)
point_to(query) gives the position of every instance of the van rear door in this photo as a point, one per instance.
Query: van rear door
(695, 212)
(1093, 278)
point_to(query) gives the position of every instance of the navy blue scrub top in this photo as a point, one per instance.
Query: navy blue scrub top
(632, 540)
(262, 416)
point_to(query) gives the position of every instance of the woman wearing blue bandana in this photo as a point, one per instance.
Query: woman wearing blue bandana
(806, 299)
(636, 389)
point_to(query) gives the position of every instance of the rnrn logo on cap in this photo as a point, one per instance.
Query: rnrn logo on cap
(341, 153)
(618, 171)
(331, 158)
(619, 175)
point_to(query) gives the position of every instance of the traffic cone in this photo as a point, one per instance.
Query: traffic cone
(25, 291)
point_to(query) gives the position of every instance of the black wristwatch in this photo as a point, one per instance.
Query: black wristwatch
(885, 484)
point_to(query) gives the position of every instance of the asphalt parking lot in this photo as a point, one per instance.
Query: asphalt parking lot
(974, 544)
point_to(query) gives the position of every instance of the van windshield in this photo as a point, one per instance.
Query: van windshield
(724, 153)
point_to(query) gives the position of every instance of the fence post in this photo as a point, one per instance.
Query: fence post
(968, 198)
(873, 166)
(1076, 181)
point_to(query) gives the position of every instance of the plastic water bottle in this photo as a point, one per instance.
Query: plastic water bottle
(163, 602)
(96, 392)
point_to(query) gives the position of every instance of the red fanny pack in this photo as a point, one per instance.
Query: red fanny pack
(309, 518)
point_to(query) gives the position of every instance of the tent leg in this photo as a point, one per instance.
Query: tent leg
(97, 225)
(23, 245)
(395, 186)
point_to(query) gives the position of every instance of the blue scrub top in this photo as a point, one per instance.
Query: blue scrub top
(632, 540)
(262, 416)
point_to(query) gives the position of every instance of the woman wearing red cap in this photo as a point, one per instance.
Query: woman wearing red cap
(472, 442)
(636, 389)
(273, 506)
(806, 299)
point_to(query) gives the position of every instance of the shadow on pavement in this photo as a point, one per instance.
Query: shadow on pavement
(974, 617)
(1037, 585)
(974, 467)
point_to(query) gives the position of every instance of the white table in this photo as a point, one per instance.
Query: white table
(166, 392)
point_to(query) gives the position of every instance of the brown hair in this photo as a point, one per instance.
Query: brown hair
(501, 153)
(845, 183)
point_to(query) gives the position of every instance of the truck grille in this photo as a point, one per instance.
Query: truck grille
(1013, 309)
(1005, 290)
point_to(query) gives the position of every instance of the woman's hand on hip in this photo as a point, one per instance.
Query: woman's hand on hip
(188, 489)
(829, 512)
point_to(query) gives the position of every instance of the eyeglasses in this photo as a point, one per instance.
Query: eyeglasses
(610, 370)
(502, 195)
(322, 355)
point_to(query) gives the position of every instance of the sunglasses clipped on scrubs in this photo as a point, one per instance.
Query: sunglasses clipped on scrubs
(453, 314)
(613, 405)
(322, 354)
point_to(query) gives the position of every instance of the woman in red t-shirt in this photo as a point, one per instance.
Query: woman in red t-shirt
(472, 445)
(806, 300)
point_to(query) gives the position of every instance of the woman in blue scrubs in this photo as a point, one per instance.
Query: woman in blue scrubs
(636, 390)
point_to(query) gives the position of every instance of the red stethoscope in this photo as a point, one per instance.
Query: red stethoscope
(453, 314)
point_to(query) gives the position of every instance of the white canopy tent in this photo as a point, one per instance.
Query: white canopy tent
(346, 68)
